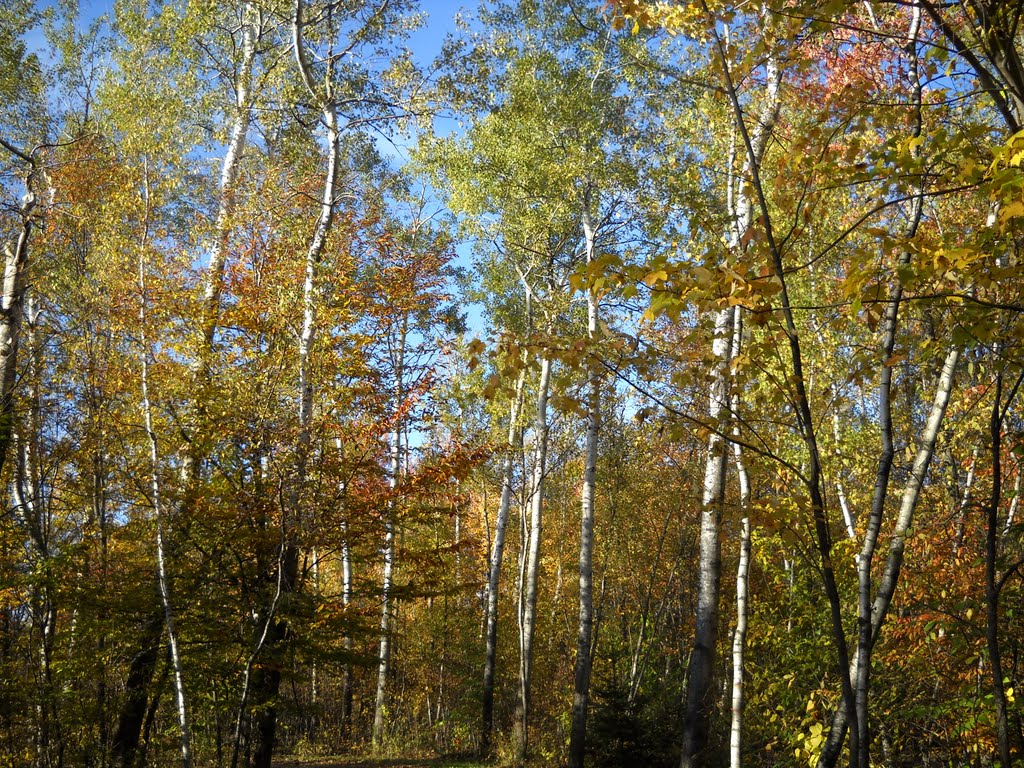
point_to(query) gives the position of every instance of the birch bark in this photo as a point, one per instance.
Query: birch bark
(133, 711)
(213, 282)
(384, 651)
(699, 691)
(739, 636)
(16, 259)
(155, 490)
(532, 564)
(514, 443)
(581, 694)
(897, 545)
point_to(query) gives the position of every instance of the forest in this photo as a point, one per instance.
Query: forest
(534, 383)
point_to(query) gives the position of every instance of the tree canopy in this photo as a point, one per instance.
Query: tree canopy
(600, 384)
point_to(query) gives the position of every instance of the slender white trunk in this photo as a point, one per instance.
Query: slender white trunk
(346, 600)
(740, 634)
(384, 653)
(961, 507)
(1012, 512)
(581, 694)
(310, 300)
(532, 564)
(515, 436)
(15, 256)
(154, 459)
(894, 562)
(699, 692)
(844, 505)
(214, 281)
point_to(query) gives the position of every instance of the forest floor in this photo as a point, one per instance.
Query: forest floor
(357, 762)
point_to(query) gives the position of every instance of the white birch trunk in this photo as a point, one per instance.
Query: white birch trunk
(214, 281)
(384, 653)
(532, 564)
(581, 694)
(16, 257)
(844, 505)
(740, 634)
(346, 600)
(1012, 512)
(894, 562)
(699, 691)
(154, 459)
(515, 436)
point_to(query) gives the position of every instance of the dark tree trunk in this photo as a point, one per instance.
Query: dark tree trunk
(140, 676)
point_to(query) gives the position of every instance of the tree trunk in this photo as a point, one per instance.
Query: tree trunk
(862, 672)
(136, 686)
(347, 642)
(384, 652)
(992, 586)
(12, 307)
(532, 564)
(155, 489)
(346, 601)
(699, 694)
(699, 689)
(515, 438)
(213, 283)
(742, 571)
(131, 718)
(268, 680)
(581, 693)
(894, 562)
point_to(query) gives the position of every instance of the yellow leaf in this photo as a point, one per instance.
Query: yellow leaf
(656, 277)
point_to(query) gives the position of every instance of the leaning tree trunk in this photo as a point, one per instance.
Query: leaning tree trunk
(581, 693)
(897, 546)
(532, 564)
(12, 297)
(213, 283)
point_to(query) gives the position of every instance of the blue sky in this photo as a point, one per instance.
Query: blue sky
(425, 44)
